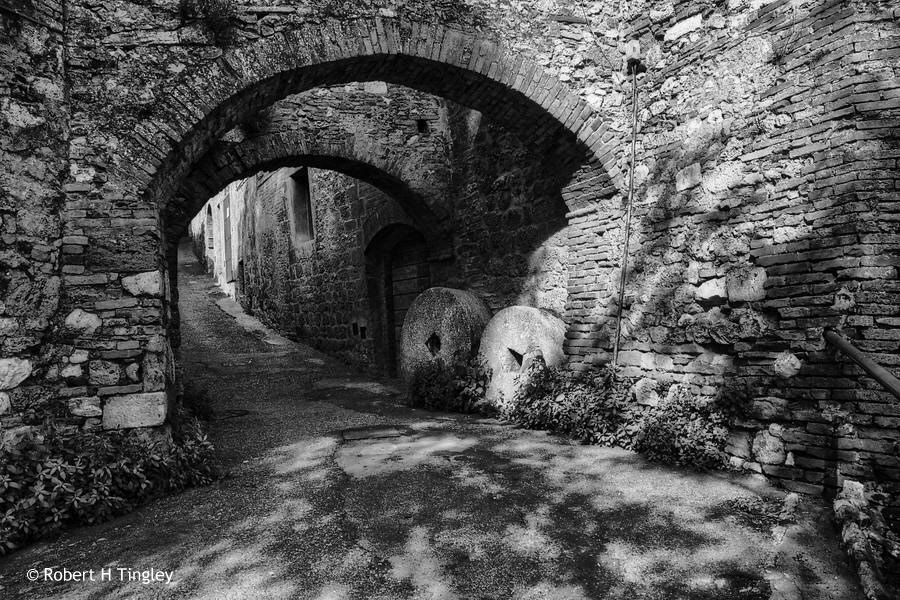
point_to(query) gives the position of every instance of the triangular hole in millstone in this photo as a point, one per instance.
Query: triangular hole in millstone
(518, 357)
(433, 343)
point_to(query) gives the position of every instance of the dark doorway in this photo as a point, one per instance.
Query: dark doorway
(398, 268)
(407, 276)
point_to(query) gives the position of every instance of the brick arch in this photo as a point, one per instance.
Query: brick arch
(388, 168)
(507, 88)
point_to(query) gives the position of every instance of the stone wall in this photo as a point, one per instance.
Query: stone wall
(767, 158)
(34, 128)
(765, 211)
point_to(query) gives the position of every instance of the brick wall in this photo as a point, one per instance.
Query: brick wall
(766, 156)
(765, 211)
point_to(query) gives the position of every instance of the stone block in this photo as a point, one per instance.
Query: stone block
(78, 357)
(802, 487)
(513, 334)
(93, 424)
(746, 285)
(688, 177)
(441, 324)
(786, 365)
(85, 406)
(132, 371)
(135, 410)
(375, 87)
(713, 289)
(154, 368)
(663, 12)
(15, 435)
(7, 326)
(13, 371)
(123, 253)
(738, 444)
(645, 392)
(683, 27)
(114, 304)
(769, 408)
(104, 372)
(83, 321)
(148, 283)
(70, 372)
(768, 449)
(112, 390)
(5, 404)
(844, 300)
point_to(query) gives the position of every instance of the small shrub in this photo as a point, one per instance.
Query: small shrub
(537, 403)
(471, 383)
(684, 430)
(597, 407)
(74, 477)
(591, 407)
(602, 410)
(435, 386)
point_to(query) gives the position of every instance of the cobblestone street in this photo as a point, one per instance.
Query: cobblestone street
(335, 490)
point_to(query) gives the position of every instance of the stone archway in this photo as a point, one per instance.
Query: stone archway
(356, 156)
(351, 129)
(205, 102)
(506, 88)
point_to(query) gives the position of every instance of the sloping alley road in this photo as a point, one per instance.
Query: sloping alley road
(335, 490)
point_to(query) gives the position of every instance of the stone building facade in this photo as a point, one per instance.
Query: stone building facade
(765, 208)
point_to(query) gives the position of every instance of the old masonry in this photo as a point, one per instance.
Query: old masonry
(332, 161)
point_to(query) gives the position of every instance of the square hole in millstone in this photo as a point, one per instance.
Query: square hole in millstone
(513, 361)
(434, 344)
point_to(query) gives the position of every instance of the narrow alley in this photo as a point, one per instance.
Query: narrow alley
(334, 489)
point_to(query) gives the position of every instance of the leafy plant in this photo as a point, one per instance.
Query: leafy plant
(597, 407)
(73, 477)
(435, 386)
(592, 407)
(684, 430)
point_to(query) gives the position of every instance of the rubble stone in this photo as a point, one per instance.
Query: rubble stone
(144, 284)
(85, 406)
(786, 365)
(86, 322)
(768, 449)
(135, 410)
(13, 371)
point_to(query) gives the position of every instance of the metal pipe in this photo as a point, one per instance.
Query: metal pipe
(876, 371)
(624, 270)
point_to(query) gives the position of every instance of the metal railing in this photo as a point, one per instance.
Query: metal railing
(875, 371)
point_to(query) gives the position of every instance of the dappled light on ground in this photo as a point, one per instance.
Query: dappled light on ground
(338, 492)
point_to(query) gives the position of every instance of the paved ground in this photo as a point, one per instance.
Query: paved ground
(335, 490)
